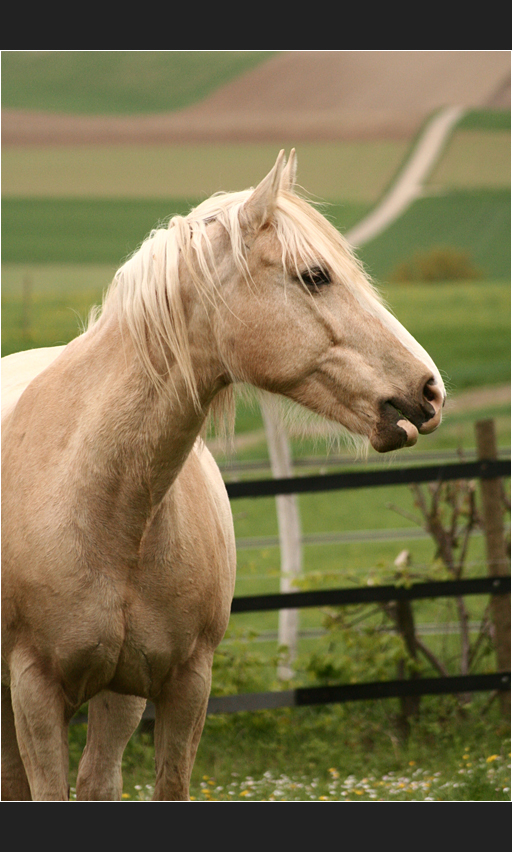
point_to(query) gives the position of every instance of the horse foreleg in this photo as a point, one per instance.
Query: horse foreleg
(41, 715)
(15, 786)
(180, 715)
(112, 720)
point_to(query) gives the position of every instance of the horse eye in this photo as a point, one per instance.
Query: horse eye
(316, 278)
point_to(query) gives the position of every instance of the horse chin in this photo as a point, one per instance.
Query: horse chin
(394, 436)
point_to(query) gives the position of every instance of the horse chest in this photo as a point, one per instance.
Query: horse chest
(143, 667)
(126, 653)
(160, 629)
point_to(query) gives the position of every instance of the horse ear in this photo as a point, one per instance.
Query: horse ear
(289, 174)
(259, 207)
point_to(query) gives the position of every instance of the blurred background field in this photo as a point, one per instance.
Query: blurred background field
(71, 213)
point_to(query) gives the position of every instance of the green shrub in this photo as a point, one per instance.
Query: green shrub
(438, 264)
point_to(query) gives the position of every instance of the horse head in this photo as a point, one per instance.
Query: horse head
(304, 321)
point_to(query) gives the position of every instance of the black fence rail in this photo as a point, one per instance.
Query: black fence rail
(301, 696)
(484, 469)
(304, 696)
(373, 594)
(492, 585)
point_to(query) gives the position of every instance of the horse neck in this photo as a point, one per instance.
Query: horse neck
(143, 433)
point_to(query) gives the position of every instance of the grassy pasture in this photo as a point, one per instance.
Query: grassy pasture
(124, 82)
(464, 325)
(349, 171)
(475, 222)
(474, 158)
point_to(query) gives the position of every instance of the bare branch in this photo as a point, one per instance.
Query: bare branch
(405, 514)
(431, 657)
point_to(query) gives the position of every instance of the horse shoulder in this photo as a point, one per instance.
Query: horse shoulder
(190, 543)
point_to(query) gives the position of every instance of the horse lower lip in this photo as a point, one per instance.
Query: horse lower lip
(411, 431)
(394, 434)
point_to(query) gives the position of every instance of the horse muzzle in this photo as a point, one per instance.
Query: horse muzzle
(401, 421)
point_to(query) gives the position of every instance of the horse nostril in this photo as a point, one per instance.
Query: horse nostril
(433, 395)
(428, 391)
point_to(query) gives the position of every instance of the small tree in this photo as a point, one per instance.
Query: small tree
(358, 645)
(448, 513)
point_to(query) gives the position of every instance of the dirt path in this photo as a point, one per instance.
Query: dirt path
(479, 398)
(409, 183)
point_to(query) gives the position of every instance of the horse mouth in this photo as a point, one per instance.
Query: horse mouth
(395, 429)
(394, 436)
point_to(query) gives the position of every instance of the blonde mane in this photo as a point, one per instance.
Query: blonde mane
(145, 291)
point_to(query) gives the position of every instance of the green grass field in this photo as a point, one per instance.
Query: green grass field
(464, 325)
(123, 82)
(337, 171)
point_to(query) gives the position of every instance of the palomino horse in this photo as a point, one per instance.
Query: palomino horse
(118, 544)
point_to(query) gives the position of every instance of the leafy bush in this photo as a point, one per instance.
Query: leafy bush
(438, 264)
(238, 666)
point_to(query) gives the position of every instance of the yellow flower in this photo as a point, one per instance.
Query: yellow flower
(491, 758)
(125, 796)
(412, 763)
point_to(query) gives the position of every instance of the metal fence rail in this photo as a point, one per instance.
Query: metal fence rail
(302, 696)
(371, 594)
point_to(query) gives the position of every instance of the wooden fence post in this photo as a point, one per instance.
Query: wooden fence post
(497, 561)
(290, 535)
